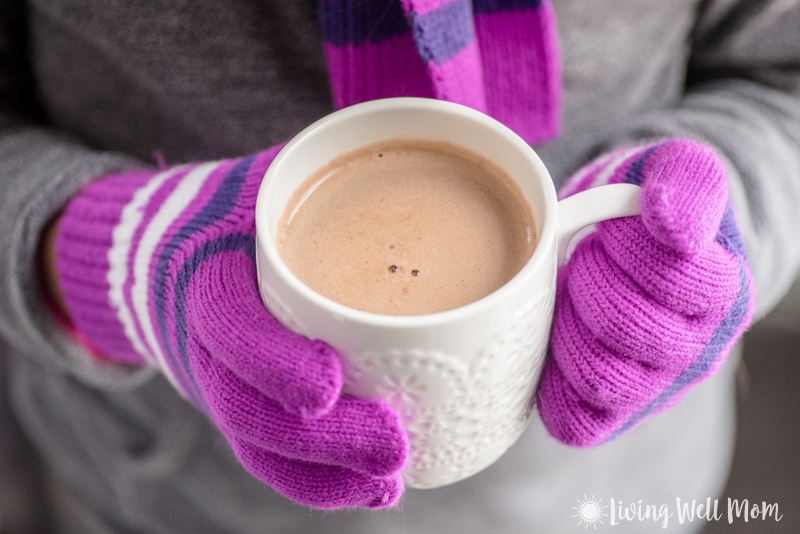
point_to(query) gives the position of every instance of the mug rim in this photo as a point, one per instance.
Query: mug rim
(544, 249)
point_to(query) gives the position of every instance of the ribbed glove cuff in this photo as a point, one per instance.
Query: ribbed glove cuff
(83, 246)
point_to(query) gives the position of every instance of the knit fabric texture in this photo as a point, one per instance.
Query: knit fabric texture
(158, 267)
(646, 306)
(497, 56)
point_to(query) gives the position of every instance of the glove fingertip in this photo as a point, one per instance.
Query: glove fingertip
(320, 486)
(658, 218)
(331, 379)
(392, 456)
(666, 216)
(388, 494)
(687, 181)
(321, 384)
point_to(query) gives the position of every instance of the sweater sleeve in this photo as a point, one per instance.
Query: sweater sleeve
(40, 169)
(743, 98)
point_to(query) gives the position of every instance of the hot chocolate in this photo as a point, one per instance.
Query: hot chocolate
(407, 227)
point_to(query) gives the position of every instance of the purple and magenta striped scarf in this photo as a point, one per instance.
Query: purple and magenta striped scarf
(497, 56)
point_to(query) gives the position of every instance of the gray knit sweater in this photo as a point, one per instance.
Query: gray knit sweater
(89, 87)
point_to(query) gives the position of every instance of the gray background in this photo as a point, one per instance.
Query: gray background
(766, 465)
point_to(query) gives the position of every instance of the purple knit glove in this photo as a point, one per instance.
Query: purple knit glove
(158, 268)
(646, 306)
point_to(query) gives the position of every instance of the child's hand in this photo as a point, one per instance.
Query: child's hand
(159, 268)
(646, 306)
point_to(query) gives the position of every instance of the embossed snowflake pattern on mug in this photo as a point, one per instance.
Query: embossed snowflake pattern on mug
(500, 403)
(408, 378)
(456, 414)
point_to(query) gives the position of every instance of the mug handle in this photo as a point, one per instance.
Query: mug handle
(592, 206)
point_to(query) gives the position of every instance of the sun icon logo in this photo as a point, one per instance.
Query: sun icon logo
(590, 511)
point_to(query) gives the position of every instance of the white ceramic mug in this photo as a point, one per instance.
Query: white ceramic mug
(463, 381)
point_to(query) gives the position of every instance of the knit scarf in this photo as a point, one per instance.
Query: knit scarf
(497, 56)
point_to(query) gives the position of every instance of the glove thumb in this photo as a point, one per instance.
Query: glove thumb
(683, 181)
